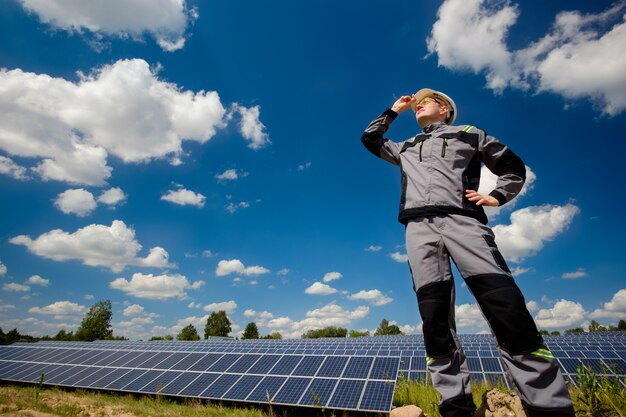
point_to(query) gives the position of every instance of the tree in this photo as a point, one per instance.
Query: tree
(274, 335)
(555, 333)
(330, 331)
(251, 332)
(217, 325)
(387, 329)
(11, 337)
(188, 333)
(64, 336)
(596, 327)
(356, 333)
(621, 326)
(574, 330)
(96, 324)
(544, 332)
(166, 337)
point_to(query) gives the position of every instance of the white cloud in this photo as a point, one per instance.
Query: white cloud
(463, 24)
(184, 197)
(230, 175)
(159, 287)
(280, 322)
(13, 287)
(113, 247)
(304, 166)
(469, 316)
(197, 322)
(3, 269)
(79, 202)
(408, 329)
(518, 270)
(282, 272)
(251, 127)
(532, 306)
(373, 248)
(399, 257)
(579, 273)
(331, 276)
(165, 20)
(112, 196)
(4, 307)
(328, 315)
(488, 182)
(10, 168)
(133, 310)
(531, 227)
(235, 266)
(37, 280)
(563, 314)
(36, 327)
(576, 59)
(228, 306)
(374, 297)
(263, 315)
(318, 288)
(333, 315)
(135, 326)
(121, 109)
(60, 308)
(615, 309)
(233, 207)
(88, 297)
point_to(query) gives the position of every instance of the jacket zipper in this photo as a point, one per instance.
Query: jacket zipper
(421, 144)
(443, 147)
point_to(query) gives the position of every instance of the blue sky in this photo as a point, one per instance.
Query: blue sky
(199, 156)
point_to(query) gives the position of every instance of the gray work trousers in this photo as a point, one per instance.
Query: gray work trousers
(430, 243)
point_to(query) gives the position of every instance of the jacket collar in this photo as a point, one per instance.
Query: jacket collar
(434, 126)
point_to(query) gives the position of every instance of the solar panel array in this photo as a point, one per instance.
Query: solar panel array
(352, 374)
(230, 370)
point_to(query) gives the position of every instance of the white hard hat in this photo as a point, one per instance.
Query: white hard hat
(427, 92)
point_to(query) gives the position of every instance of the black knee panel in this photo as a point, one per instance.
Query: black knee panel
(434, 305)
(504, 307)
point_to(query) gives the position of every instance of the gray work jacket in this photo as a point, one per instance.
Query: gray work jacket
(443, 161)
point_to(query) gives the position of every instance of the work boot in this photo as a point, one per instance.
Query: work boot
(560, 412)
(458, 407)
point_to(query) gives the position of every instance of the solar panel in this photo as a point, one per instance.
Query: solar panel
(352, 374)
(242, 388)
(266, 389)
(347, 394)
(177, 384)
(318, 393)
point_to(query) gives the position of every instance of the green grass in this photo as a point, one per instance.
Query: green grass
(52, 401)
(599, 395)
(422, 394)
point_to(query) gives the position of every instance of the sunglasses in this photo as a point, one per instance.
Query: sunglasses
(425, 101)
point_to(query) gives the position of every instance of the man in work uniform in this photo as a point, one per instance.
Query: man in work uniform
(444, 218)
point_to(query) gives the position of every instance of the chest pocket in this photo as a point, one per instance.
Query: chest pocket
(470, 139)
(417, 141)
